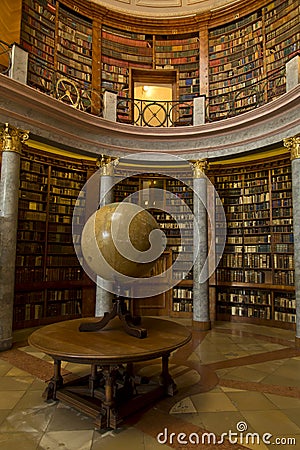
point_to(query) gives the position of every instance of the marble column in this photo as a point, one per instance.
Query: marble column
(201, 318)
(106, 166)
(12, 139)
(293, 144)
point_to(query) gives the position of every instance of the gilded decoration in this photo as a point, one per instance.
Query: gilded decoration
(13, 138)
(107, 164)
(199, 168)
(293, 144)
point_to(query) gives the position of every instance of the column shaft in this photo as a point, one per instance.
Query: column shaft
(9, 195)
(201, 319)
(296, 230)
(104, 297)
(293, 144)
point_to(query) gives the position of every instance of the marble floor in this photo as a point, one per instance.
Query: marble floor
(238, 388)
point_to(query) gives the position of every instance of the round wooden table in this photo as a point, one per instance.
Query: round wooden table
(111, 391)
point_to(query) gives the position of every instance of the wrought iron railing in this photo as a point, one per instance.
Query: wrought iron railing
(5, 57)
(79, 95)
(175, 113)
(233, 103)
(154, 113)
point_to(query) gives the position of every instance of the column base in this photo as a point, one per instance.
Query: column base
(201, 326)
(297, 342)
(6, 344)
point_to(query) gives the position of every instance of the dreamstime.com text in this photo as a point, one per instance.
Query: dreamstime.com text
(240, 436)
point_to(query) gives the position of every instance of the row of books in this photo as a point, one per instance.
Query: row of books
(284, 302)
(63, 274)
(182, 305)
(243, 311)
(182, 293)
(28, 274)
(246, 296)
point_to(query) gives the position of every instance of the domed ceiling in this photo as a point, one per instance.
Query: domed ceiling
(164, 8)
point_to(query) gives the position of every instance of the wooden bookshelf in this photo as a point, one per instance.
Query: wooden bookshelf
(255, 277)
(234, 53)
(282, 32)
(38, 31)
(120, 51)
(74, 46)
(180, 298)
(50, 283)
(180, 53)
(235, 61)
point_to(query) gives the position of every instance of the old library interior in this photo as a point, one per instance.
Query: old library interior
(149, 224)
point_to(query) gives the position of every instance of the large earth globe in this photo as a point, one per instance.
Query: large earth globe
(120, 241)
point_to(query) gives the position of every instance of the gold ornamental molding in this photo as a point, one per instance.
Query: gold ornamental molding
(199, 168)
(293, 144)
(12, 138)
(107, 164)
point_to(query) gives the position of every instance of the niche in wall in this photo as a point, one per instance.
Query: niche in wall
(152, 86)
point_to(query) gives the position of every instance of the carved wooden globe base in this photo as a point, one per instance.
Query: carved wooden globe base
(129, 322)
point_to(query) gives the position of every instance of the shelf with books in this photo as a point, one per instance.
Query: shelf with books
(171, 216)
(285, 307)
(125, 188)
(49, 279)
(182, 303)
(119, 51)
(230, 190)
(258, 254)
(282, 237)
(282, 32)
(29, 306)
(245, 302)
(74, 46)
(38, 39)
(182, 53)
(64, 302)
(234, 65)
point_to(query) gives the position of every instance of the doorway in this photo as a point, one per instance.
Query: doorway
(153, 92)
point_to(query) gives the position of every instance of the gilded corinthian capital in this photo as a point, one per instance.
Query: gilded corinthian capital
(12, 138)
(107, 164)
(293, 144)
(199, 167)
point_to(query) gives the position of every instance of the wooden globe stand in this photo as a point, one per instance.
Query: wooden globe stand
(129, 322)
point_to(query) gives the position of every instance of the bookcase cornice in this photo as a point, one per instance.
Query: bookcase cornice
(164, 25)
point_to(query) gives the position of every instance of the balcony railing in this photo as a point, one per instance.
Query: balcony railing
(5, 57)
(175, 113)
(67, 89)
(151, 113)
(231, 104)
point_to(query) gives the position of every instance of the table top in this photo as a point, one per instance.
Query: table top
(64, 341)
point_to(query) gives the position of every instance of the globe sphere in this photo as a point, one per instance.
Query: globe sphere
(121, 240)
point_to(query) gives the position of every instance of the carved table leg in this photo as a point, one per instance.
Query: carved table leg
(55, 383)
(108, 417)
(93, 379)
(165, 378)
